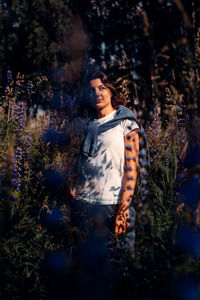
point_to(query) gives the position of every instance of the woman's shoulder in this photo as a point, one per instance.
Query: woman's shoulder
(128, 125)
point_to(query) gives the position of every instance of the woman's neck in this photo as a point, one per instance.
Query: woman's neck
(104, 112)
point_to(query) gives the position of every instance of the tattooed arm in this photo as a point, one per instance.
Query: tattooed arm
(131, 141)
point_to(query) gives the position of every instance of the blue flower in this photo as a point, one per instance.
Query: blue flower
(188, 240)
(57, 262)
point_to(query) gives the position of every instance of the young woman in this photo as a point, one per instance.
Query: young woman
(107, 162)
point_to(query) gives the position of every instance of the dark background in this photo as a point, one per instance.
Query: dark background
(154, 44)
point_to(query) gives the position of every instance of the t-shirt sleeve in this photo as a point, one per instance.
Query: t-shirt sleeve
(128, 126)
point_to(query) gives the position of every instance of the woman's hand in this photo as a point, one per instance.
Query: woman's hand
(122, 221)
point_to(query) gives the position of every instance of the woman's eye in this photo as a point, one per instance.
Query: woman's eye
(101, 88)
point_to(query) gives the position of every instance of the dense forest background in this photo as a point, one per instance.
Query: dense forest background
(152, 44)
(151, 50)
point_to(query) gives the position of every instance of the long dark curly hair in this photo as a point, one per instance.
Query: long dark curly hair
(85, 107)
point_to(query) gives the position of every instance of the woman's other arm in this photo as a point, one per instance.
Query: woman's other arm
(131, 141)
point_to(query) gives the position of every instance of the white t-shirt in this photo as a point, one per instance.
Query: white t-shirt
(101, 175)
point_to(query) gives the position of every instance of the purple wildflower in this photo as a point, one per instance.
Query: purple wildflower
(9, 76)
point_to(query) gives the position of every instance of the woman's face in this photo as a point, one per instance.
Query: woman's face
(99, 95)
